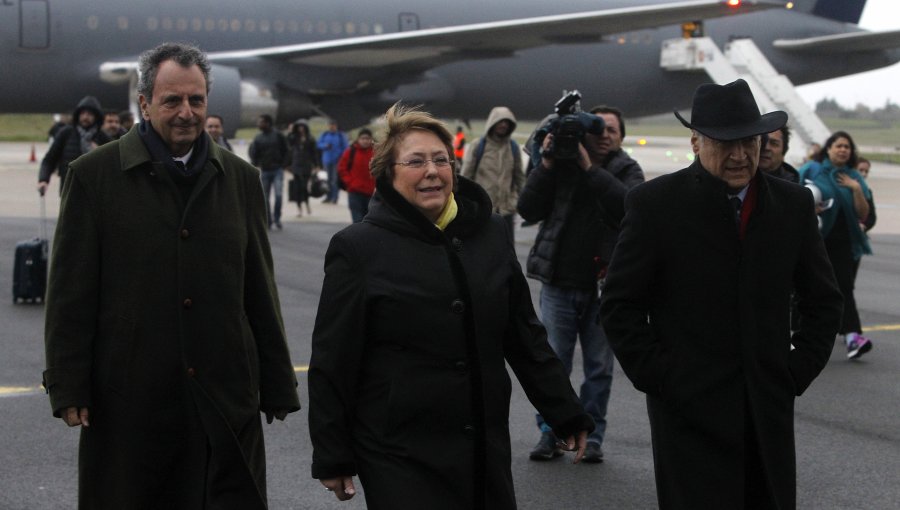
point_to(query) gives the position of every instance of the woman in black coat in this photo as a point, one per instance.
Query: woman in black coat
(304, 158)
(422, 306)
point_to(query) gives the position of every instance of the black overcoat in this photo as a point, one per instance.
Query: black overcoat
(408, 384)
(158, 311)
(699, 321)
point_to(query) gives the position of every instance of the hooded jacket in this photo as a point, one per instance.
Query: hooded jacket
(66, 146)
(499, 170)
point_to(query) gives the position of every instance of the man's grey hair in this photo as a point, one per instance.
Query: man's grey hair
(186, 55)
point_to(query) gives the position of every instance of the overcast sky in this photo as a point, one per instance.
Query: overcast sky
(872, 88)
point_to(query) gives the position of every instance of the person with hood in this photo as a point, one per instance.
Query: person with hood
(73, 140)
(305, 158)
(696, 308)
(353, 170)
(423, 305)
(494, 162)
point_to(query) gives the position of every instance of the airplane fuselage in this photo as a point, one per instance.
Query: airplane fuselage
(52, 51)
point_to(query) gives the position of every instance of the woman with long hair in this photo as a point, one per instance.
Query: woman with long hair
(834, 172)
(304, 158)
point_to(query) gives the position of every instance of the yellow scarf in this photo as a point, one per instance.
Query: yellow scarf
(448, 214)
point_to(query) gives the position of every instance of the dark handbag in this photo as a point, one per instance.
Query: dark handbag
(294, 190)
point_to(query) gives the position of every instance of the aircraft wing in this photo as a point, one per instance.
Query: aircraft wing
(842, 43)
(426, 48)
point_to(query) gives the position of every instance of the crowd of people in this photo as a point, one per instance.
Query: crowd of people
(424, 303)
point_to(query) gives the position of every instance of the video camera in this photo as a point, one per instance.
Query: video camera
(568, 127)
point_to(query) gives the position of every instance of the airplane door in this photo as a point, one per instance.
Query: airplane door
(408, 21)
(34, 21)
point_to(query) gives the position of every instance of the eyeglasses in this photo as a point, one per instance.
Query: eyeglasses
(419, 163)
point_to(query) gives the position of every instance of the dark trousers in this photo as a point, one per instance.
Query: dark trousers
(845, 268)
(359, 205)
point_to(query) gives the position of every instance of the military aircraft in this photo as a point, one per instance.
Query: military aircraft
(350, 60)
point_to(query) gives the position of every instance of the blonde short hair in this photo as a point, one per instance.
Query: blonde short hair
(399, 121)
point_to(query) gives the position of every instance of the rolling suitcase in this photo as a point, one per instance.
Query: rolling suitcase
(30, 269)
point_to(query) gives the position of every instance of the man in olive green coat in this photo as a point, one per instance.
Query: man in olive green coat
(164, 337)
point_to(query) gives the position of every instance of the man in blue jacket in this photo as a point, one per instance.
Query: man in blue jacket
(332, 143)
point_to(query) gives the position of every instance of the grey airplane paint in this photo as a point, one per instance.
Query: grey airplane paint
(351, 59)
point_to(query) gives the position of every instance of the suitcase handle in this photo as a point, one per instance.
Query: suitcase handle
(43, 232)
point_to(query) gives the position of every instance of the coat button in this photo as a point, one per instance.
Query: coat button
(469, 431)
(461, 366)
(457, 306)
(185, 233)
(190, 372)
(188, 303)
(457, 243)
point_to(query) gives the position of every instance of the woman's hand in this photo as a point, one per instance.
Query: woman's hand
(342, 487)
(860, 205)
(575, 444)
(848, 182)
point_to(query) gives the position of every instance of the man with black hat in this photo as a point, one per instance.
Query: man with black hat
(696, 309)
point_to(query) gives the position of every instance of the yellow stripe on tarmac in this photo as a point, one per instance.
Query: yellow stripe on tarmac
(883, 327)
(6, 391)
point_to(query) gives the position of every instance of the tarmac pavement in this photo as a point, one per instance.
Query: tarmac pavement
(847, 423)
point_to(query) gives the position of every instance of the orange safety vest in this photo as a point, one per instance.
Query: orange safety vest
(459, 142)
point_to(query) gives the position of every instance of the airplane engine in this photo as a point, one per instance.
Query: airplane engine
(240, 102)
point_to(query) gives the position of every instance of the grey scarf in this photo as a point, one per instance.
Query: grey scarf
(87, 138)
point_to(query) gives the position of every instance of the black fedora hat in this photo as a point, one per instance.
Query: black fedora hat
(729, 112)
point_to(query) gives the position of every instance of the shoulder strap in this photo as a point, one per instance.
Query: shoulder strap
(350, 157)
(479, 151)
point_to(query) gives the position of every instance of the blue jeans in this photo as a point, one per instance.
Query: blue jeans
(359, 205)
(333, 188)
(273, 177)
(569, 314)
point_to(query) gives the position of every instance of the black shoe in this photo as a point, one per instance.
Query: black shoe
(278, 225)
(593, 454)
(546, 448)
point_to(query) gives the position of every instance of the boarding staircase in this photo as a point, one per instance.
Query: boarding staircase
(742, 59)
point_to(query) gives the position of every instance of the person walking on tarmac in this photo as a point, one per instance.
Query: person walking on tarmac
(459, 144)
(353, 169)
(495, 163)
(73, 140)
(332, 143)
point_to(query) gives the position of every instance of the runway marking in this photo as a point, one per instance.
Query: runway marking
(9, 391)
(883, 327)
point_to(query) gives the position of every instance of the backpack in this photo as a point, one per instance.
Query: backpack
(479, 152)
(341, 183)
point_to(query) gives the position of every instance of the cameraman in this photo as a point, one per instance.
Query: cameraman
(580, 203)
